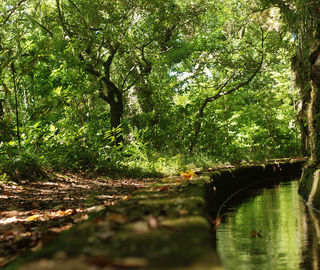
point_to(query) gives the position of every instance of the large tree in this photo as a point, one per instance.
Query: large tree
(118, 42)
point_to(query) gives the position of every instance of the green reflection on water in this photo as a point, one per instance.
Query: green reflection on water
(290, 231)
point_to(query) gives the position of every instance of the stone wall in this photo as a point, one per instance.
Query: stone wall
(225, 183)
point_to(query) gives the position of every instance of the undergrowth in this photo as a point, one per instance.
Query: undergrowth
(106, 157)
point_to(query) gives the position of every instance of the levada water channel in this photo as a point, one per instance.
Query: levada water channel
(269, 228)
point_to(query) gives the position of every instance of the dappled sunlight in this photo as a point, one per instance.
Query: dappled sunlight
(95, 90)
(31, 210)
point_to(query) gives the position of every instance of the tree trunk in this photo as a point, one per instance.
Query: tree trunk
(301, 67)
(304, 147)
(197, 125)
(310, 180)
(115, 100)
(116, 109)
(314, 107)
(1, 108)
(16, 103)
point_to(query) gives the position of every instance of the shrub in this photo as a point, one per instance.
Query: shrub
(21, 165)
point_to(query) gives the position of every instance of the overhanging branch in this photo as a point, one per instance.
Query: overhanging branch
(11, 11)
(219, 94)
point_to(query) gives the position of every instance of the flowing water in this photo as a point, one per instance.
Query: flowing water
(269, 228)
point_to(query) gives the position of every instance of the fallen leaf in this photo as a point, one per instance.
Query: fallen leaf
(5, 260)
(70, 211)
(61, 213)
(6, 234)
(126, 197)
(7, 193)
(216, 222)
(188, 174)
(33, 218)
(109, 203)
(61, 229)
(96, 208)
(10, 213)
(163, 188)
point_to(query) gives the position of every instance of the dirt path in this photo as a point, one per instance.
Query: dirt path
(32, 213)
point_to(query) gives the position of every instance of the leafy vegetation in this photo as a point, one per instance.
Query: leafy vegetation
(142, 87)
(302, 18)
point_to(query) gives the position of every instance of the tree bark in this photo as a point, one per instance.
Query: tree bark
(114, 98)
(301, 68)
(309, 187)
(314, 106)
(16, 103)
(303, 127)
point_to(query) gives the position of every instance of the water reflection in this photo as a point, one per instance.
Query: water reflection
(290, 231)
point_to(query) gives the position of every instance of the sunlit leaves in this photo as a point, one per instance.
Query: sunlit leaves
(170, 56)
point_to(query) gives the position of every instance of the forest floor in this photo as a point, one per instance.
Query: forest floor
(34, 212)
(152, 219)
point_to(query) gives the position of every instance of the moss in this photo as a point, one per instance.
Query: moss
(309, 187)
(214, 174)
(181, 236)
(180, 242)
(187, 221)
(306, 182)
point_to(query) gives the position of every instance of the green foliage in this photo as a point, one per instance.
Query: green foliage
(166, 57)
(21, 165)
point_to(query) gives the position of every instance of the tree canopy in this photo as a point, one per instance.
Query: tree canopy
(145, 84)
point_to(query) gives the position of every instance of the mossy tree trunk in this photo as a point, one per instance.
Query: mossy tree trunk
(301, 67)
(314, 106)
(310, 184)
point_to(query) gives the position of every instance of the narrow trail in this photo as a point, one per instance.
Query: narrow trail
(33, 213)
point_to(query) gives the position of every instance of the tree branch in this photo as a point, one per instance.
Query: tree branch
(107, 64)
(198, 123)
(218, 95)
(102, 95)
(79, 11)
(127, 76)
(42, 26)
(146, 70)
(61, 18)
(13, 10)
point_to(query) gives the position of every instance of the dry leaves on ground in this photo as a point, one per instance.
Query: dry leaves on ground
(33, 213)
